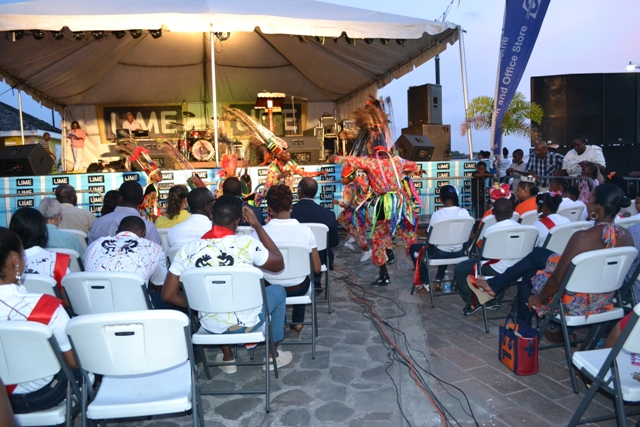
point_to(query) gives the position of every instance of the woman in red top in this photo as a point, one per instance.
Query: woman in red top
(526, 193)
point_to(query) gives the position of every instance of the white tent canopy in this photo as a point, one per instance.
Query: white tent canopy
(263, 52)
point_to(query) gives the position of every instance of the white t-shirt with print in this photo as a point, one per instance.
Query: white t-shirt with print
(227, 251)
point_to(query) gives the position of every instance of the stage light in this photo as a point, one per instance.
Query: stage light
(156, 34)
(302, 39)
(37, 34)
(17, 35)
(223, 37)
(135, 33)
(633, 66)
(57, 35)
(97, 34)
(78, 35)
(349, 40)
(384, 41)
(119, 34)
(400, 42)
(319, 39)
(368, 41)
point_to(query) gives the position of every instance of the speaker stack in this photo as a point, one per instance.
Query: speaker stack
(25, 160)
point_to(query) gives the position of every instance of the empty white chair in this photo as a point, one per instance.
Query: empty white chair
(105, 292)
(75, 263)
(529, 217)
(573, 213)
(559, 235)
(298, 263)
(81, 235)
(321, 233)
(29, 352)
(612, 370)
(163, 233)
(40, 284)
(147, 363)
(592, 272)
(228, 290)
(627, 222)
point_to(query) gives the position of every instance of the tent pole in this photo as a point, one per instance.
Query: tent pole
(20, 108)
(463, 68)
(214, 95)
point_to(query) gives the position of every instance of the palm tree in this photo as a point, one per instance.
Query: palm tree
(517, 120)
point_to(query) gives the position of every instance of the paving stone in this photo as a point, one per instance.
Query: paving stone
(355, 338)
(322, 360)
(378, 353)
(234, 409)
(296, 417)
(333, 411)
(257, 419)
(302, 378)
(377, 400)
(495, 379)
(545, 408)
(327, 390)
(342, 375)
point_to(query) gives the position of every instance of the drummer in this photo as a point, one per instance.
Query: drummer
(131, 124)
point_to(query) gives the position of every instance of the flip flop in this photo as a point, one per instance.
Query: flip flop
(481, 294)
(422, 289)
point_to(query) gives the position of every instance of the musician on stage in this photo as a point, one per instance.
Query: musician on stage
(131, 124)
(282, 169)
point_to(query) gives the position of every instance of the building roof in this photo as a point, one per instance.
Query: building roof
(10, 121)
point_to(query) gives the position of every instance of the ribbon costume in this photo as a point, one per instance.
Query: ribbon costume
(353, 216)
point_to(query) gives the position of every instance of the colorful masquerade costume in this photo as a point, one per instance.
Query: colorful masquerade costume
(354, 214)
(276, 168)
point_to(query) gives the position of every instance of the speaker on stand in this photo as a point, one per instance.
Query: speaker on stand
(25, 160)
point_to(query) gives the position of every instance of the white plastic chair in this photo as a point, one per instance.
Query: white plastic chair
(559, 235)
(489, 220)
(163, 233)
(321, 233)
(40, 284)
(147, 363)
(298, 263)
(75, 263)
(504, 243)
(81, 235)
(244, 230)
(529, 218)
(612, 370)
(228, 290)
(627, 222)
(451, 231)
(29, 352)
(171, 253)
(592, 272)
(105, 292)
(573, 213)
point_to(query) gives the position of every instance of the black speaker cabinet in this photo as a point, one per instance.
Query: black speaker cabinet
(439, 136)
(415, 147)
(604, 108)
(305, 150)
(424, 104)
(25, 160)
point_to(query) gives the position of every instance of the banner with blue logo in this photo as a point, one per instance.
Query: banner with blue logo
(520, 29)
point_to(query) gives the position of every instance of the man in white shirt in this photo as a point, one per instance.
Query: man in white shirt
(131, 124)
(582, 153)
(129, 252)
(200, 202)
(72, 216)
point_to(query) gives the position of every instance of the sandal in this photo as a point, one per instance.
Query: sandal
(437, 286)
(422, 289)
(481, 294)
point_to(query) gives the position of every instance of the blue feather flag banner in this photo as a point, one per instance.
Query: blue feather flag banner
(520, 29)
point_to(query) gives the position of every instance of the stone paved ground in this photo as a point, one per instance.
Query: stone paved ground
(350, 381)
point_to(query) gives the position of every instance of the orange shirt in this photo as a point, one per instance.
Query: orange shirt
(526, 206)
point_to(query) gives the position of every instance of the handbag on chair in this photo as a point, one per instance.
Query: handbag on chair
(518, 346)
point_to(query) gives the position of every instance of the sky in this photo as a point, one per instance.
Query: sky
(577, 36)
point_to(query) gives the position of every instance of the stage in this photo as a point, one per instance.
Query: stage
(27, 191)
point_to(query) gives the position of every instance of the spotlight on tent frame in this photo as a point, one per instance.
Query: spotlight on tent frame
(368, 41)
(17, 35)
(223, 37)
(78, 35)
(302, 39)
(319, 39)
(350, 40)
(156, 34)
(135, 33)
(37, 34)
(57, 35)
(384, 41)
(400, 42)
(97, 34)
(119, 34)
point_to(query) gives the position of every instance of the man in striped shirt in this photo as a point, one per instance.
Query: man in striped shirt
(544, 163)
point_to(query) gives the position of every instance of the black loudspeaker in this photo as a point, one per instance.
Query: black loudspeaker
(25, 160)
(604, 108)
(415, 147)
(305, 150)
(424, 104)
(439, 136)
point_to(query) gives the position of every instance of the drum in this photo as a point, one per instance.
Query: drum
(195, 135)
(209, 134)
(202, 150)
(184, 147)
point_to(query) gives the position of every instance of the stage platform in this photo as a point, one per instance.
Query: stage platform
(27, 191)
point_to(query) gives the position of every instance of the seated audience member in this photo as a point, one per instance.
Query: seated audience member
(29, 225)
(451, 209)
(18, 306)
(526, 194)
(573, 193)
(547, 217)
(149, 207)
(561, 185)
(542, 271)
(200, 203)
(109, 202)
(634, 230)
(129, 197)
(503, 211)
(284, 230)
(72, 216)
(517, 168)
(130, 252)
(307, 210)
(233, 187)
(581, 152)
(221, 247)
(176, 208)
(52, 213)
